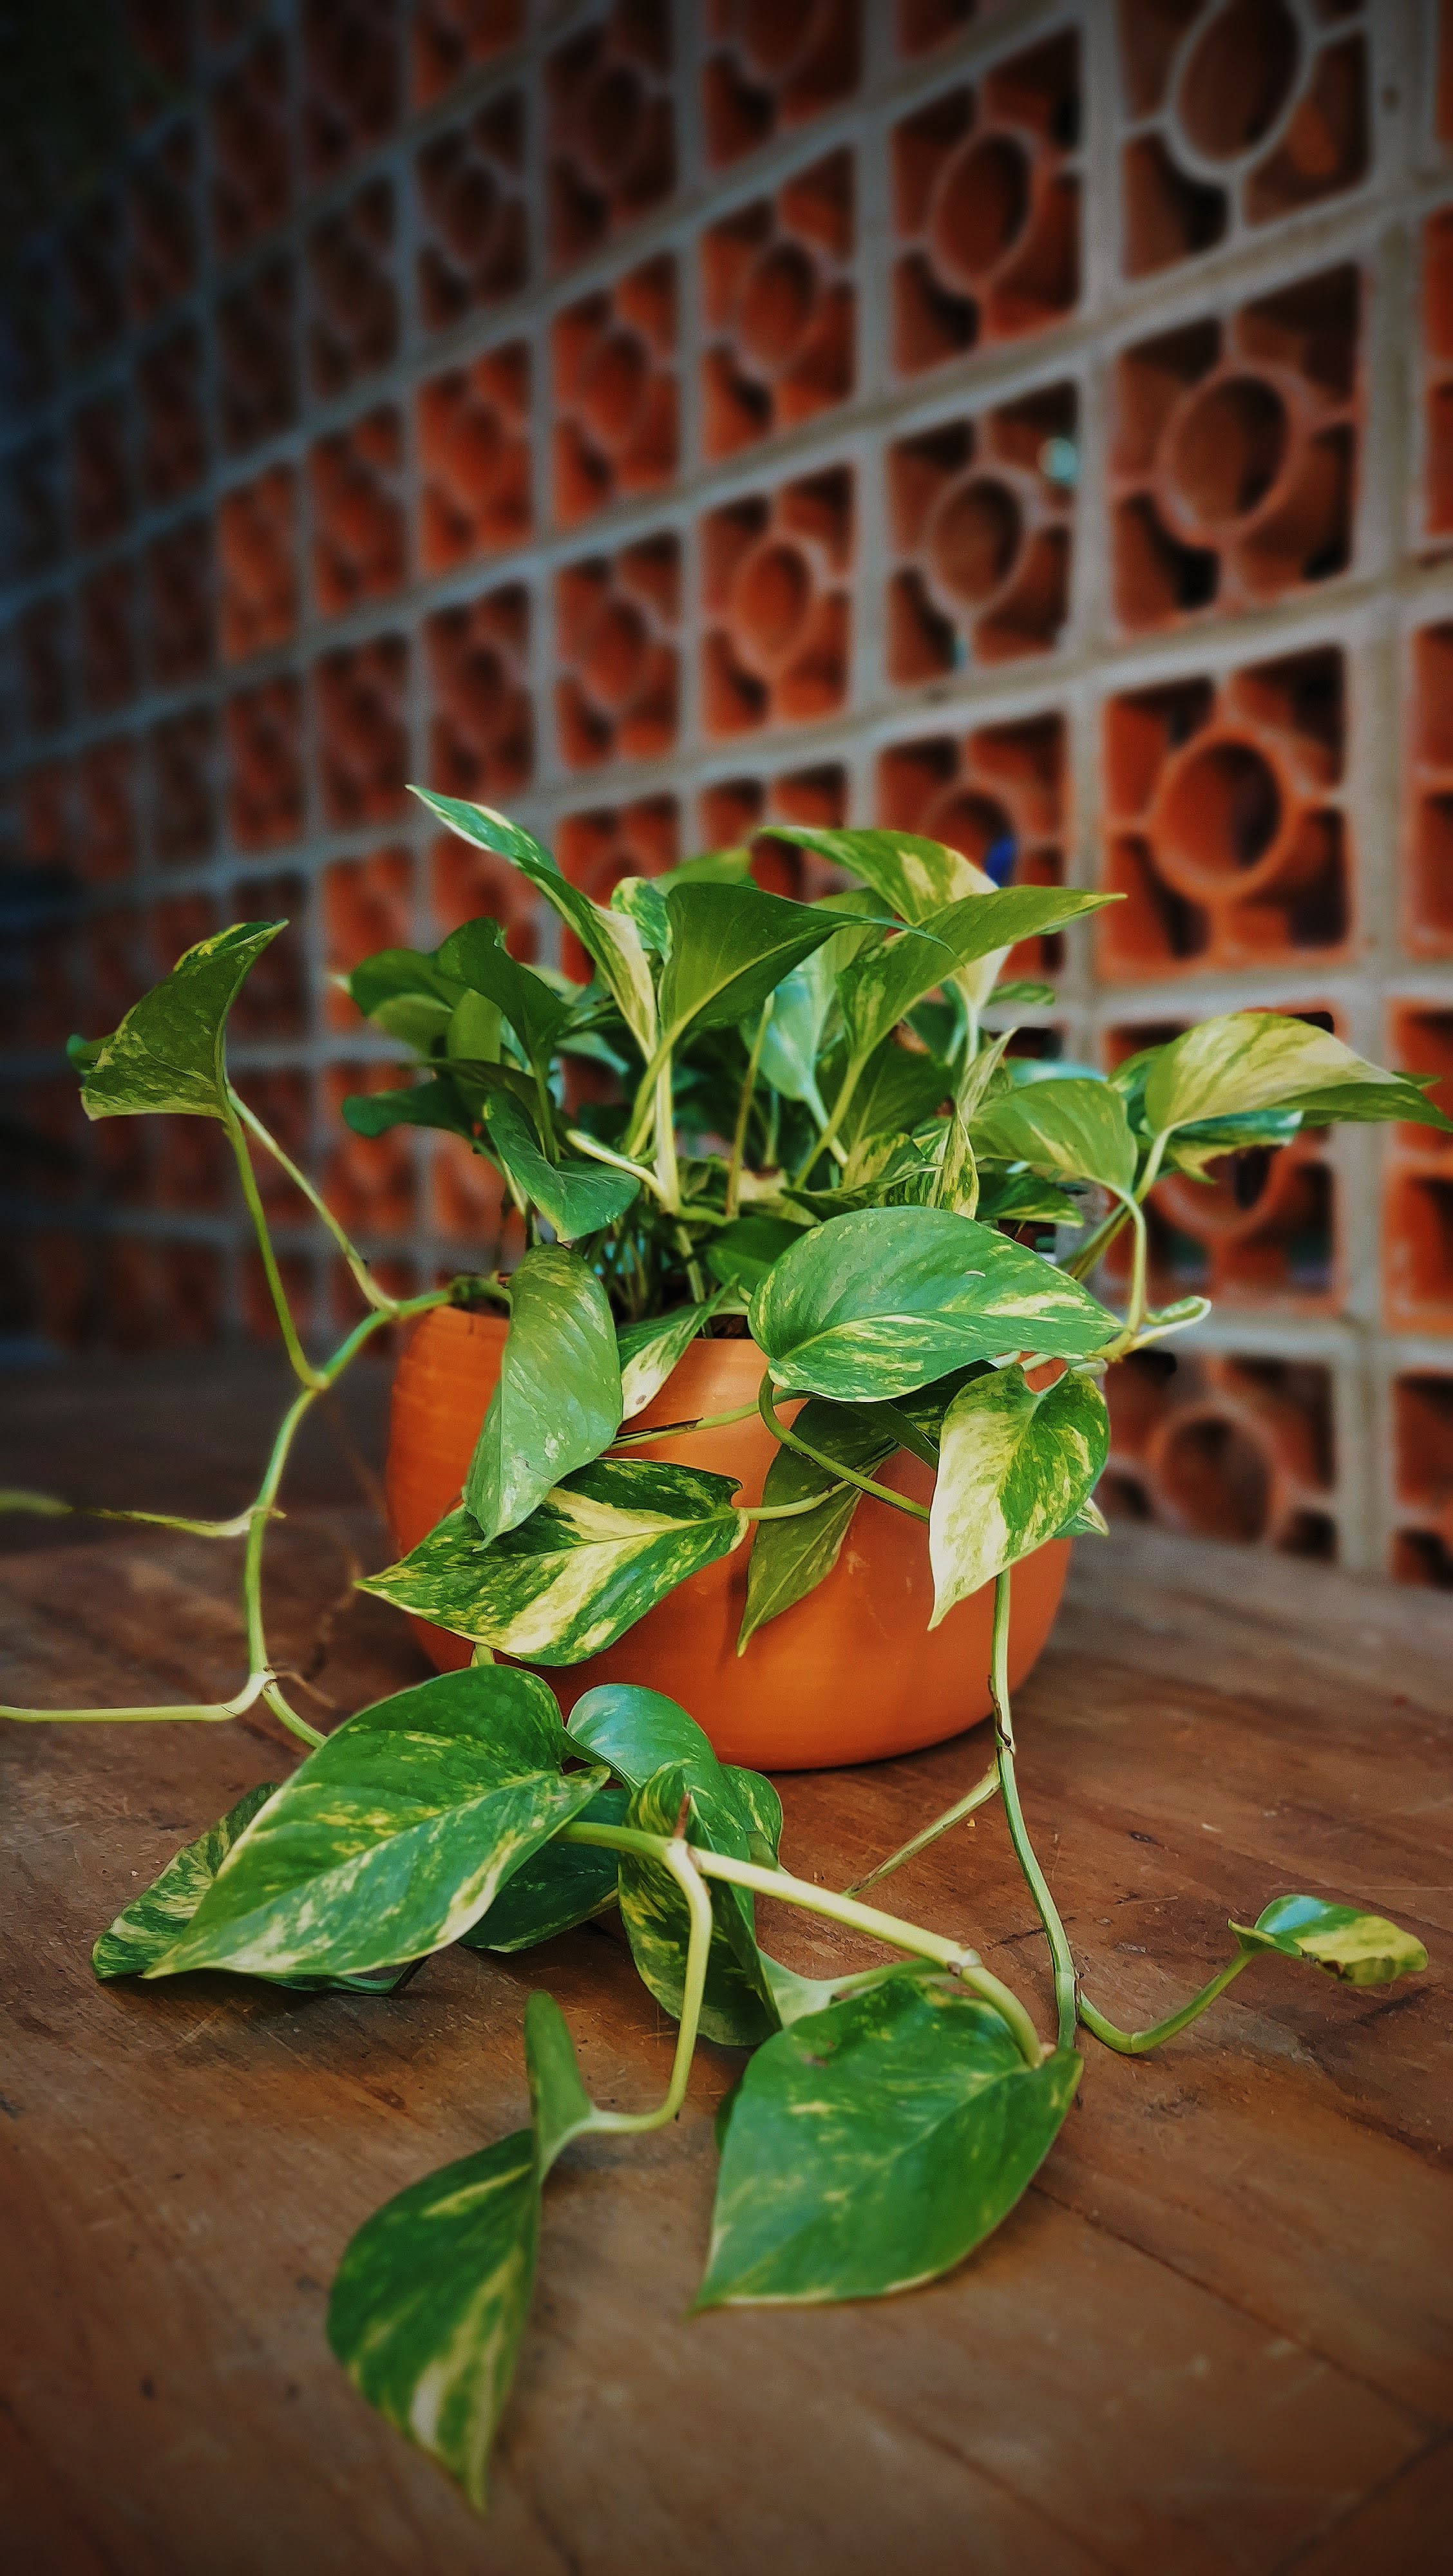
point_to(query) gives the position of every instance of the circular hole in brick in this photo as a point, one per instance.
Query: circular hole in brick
(1221, 812)
(1215, 1478)
(1240, 74)
(777, 300)
(975, 538)
(613, 663)
(474, 453)
(982, 206)
(1228, 448)
(772, 598)
(611, 116)
(614, 388)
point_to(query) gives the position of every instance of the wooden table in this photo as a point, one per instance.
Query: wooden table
(1214, 2336)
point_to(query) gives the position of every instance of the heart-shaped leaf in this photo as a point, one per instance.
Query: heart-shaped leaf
(881, 986)
(574, 1196)
(392, 1838)
(731, 945)
(737, 2007)
(558, 1400)
(1072, 1130)
(1014, 1469)
(874, 2144)
(1254, 1060)
(431, 2299)
(150, 1925)
(875, 1304)
(602, 1549)
(167, 1054)
(1362, 1949)
(898, 1090)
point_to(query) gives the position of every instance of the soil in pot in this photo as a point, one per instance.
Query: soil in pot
(848, 1675)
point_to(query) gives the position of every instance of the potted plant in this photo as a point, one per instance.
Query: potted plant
(810, 1182)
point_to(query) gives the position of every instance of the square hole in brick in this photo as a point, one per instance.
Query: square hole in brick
(616, 622)
(481, 729)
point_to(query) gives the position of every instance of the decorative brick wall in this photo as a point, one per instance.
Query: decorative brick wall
(1016, 423)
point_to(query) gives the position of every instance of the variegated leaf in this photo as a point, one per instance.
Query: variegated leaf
(167, 1053)
(430, 2303)
(392, 1838)
(878, 1303)
(873, 2144)
(146, 1928)
(602, 1549)
(558, 1400)
(1071, 1130)
(575, 1197)
(1254, 1060)
(561, 1885)
(1362, 1949)
(737, 2008)
(650, 1351)
(1014, 1469)
(791, 1557)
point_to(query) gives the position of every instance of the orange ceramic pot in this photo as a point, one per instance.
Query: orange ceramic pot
(848, 1675)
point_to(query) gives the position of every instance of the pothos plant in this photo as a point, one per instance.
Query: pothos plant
(757, 1116)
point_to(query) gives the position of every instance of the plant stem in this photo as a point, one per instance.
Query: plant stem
(1045, 1907)
(790, 1511)
(744, 1110)
(213, 1712)
(694, 1279)
(366, 1283)
(667, 1175)
(599, 1153)
(680, 1430)
(978, 1796)
(51, 1508)
(1134, 2043)
(887, 1928)
(827, 1141)
(840, 1473)
(302, 1365)
(680, 1859)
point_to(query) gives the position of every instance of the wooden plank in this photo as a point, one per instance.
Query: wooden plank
(1215, 2337)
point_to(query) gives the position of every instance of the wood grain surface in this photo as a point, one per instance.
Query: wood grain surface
(1216, 2336)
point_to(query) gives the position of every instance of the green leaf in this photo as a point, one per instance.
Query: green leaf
(898, 1090)
(742, 1253)
(651, 1350)
(801, 1005)
(1265, 1060)
(1362, 1949)
(397, 974)
(1014, 1469)
(1020, 1198)
(564, 1884)
(610, 938)
(914, 876)
(473, 1034)
(956, 1181)
(791, 1557)
(561, 2106)
(731, 945)
(146, 1929)
(576, 1197)
(168, 1052)
(1076, 1131)
(603, 1548)
(737, 2008)
(434, 1103)
(558, 1400)
(430, 2303)
(637, 1731)
(882, 985)
(1023, 995)
(645, 902)
(875, 1304)
(417, 1021)
(875, 2144)
(475, 955)
(392, 1838)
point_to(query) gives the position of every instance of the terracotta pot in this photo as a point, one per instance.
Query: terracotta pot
(848, 1675)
